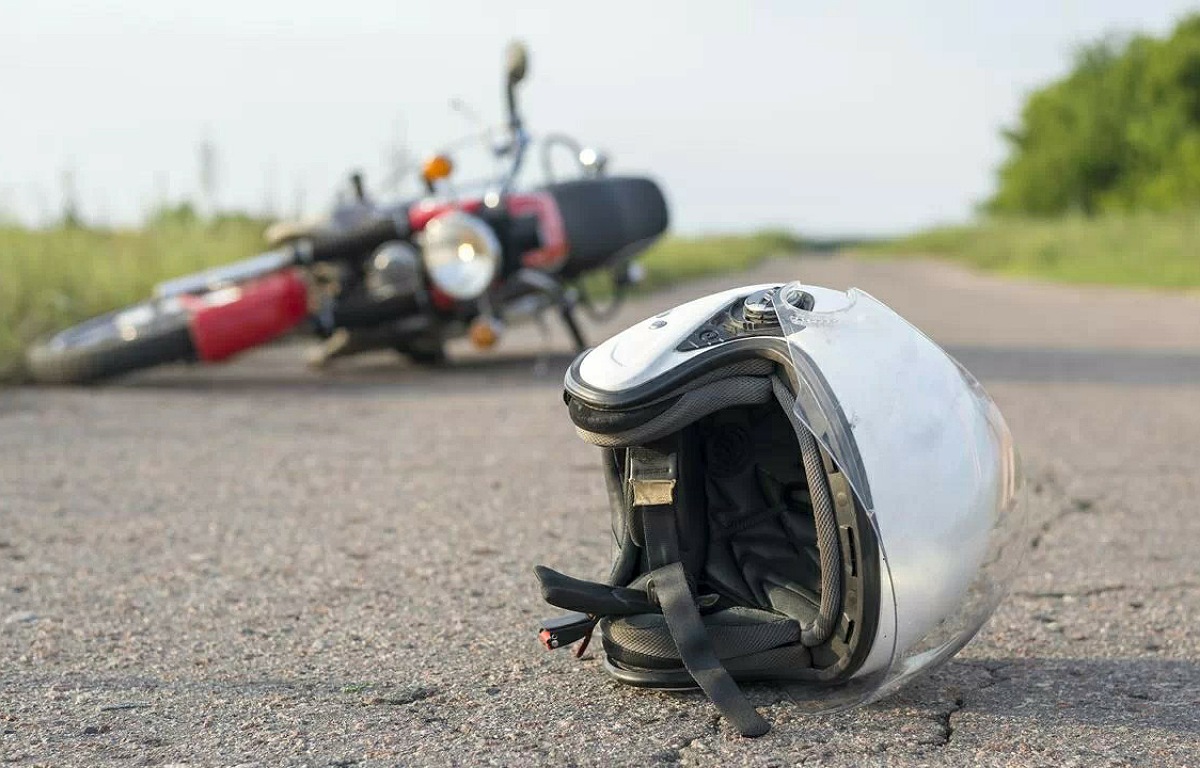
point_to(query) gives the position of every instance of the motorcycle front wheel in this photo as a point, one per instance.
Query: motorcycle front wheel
(127, 340)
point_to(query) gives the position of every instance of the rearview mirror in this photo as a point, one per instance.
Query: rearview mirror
(517, 62)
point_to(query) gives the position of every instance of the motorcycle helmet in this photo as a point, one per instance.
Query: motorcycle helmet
(804, 488)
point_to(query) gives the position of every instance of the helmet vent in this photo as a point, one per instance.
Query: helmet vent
(851, 550)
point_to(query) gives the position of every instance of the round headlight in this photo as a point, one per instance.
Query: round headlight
(462, 254)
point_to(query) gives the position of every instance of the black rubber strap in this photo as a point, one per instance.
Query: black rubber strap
(670, 586)
(696, 651)
(661, 534)
(661, 544)
(591, 597)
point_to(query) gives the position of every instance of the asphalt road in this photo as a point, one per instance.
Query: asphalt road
(262, 564)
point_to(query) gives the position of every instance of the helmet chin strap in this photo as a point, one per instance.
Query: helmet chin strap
(667, 588)
(670, 587)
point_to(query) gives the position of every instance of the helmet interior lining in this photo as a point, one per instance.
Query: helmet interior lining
(767, 552)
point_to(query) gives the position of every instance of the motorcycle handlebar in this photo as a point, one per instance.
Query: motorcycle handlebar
(517, 66)
(348, 245)
(514, 117)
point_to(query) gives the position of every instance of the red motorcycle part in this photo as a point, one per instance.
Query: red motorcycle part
(420, 214)
(553, 253)
(229, 320)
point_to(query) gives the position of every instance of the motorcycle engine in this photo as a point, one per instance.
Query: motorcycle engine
(393, 270)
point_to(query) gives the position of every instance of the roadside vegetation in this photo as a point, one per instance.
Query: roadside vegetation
(1146, 249)
(682, 258)
(1119, 133)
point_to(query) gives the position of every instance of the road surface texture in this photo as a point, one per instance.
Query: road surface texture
(261, 564)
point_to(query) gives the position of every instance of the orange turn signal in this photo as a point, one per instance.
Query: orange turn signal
(437, 167)
(485, 332)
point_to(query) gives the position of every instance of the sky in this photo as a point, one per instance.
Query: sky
(828, 118)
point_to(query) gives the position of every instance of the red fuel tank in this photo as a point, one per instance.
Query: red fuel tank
(229, 320)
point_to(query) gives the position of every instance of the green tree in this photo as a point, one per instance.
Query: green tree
(1120, 132)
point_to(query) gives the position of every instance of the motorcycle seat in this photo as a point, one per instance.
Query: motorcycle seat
(608, 219)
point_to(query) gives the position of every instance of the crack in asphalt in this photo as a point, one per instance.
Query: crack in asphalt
(945, 719)
(1075, 506)
(1092, 592)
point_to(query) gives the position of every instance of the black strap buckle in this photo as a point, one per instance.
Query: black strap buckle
(651, 476)
(562, 631)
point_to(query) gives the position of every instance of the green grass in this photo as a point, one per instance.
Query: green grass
(682, 258)
(51, 279)
(1154, 250)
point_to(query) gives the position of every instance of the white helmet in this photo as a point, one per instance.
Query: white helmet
(804, 488)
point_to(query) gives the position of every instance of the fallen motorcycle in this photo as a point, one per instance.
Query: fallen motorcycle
(409, 277)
